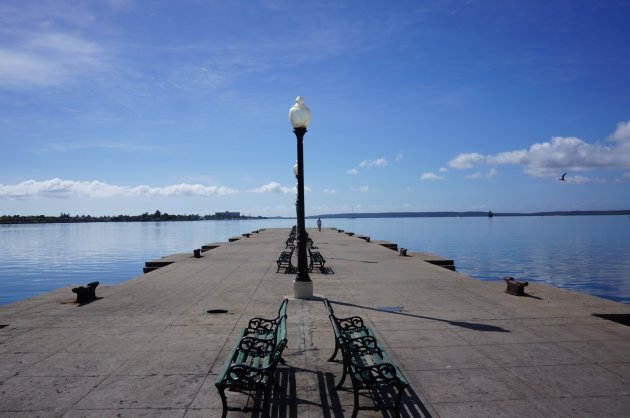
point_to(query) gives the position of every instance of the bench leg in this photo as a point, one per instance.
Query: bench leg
(223, 400)
(343, 378)
(334, 354)
(355, 410)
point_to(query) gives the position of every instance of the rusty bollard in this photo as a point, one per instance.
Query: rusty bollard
(87, 293)
(515, 287)
(197, 253)
(403, 252)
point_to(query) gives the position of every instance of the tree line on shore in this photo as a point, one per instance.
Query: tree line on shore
(145, 217)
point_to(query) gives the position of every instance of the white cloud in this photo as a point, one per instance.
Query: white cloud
(622, 133)
(48, 59)
(443, 170)
(330, 191)
(510, 157)
(399, 156)
(430, 177)
(19, 69)
(379, 162)
(558, 155)
(463, 161)
(274, 187)
(479, 175)
(571, 154)
(57, 188)
(578, 179)
(364, 189)
(182, 189)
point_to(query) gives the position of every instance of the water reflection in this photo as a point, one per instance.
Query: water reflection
(589, 254)
(586, 254)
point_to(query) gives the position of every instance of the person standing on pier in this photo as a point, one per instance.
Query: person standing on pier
(319, 224)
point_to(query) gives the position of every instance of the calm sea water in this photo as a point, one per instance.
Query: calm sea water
(586, 254)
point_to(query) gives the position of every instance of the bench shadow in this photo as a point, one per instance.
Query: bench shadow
(285, 402)
(468, 325)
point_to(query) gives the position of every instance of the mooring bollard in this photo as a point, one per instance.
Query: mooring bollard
(515, 287)
(86, 293)
(197, 253)
(403, 252)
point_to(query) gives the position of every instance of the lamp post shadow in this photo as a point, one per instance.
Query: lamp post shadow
(468, 325)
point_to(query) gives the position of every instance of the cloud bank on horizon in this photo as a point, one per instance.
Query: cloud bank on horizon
(63, 189)
(128, 106)
(561, 154)
(546, 159)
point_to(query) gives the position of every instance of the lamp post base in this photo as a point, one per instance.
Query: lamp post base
(302, 289)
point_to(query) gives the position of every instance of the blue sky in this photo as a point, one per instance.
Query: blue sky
(127, 106)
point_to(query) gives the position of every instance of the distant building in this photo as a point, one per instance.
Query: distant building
(227, 215)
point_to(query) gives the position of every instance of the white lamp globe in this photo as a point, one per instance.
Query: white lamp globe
(299, 114)
(295, 169)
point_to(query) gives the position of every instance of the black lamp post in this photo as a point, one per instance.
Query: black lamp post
(300, 116)
(297, 215)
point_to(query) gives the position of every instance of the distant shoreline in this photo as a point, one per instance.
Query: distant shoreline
(472, 214)
(145, 217)
(65, 218)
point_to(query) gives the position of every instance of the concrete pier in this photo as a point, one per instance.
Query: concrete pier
(150, 348)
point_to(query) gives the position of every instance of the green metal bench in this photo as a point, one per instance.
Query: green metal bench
(264, 328)
(351, 327)
(365, 361)
(284, 261)
(316, 260)
(252, 363)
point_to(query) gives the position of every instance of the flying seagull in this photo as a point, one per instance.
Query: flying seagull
(562, 178)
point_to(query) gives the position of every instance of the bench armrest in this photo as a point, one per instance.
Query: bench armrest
(262, 325)
(352, 322)
(377, 374)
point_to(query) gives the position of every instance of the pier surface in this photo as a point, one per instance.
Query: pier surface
(149, 347)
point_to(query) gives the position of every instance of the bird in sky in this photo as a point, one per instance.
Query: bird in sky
(562, 177)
